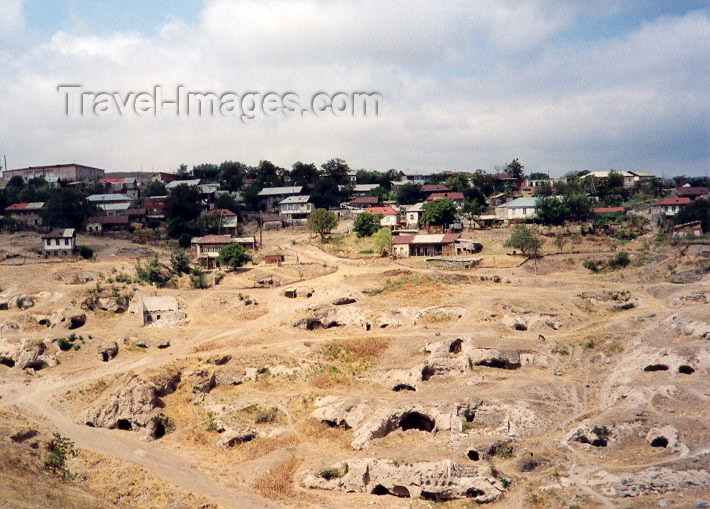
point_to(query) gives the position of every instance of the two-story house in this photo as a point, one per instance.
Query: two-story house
(295, 209)
(59, 242)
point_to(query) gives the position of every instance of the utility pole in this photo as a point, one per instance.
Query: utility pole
(261, 230)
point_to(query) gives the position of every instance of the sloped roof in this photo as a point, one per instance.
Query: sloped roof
(108, 197)
(453, 195)
(383, 211)
(221, 212)
(692, 191)
(295, 199)
(276, 191)
(526, 202)
(365, 200)
(35, 205)
(109, 220)
(212, 239)
(60, 233)
(175, 183)
(431, 188)
(671, 201)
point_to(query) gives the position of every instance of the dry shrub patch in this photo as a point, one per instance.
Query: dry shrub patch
(277, 484)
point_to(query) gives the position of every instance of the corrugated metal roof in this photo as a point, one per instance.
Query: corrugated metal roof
(671, 201)
(175, 183)
(526, 202)
(108, 197)
(115, 206)
(295, 199)
(384, 211)
(275, 191)
(60, 233)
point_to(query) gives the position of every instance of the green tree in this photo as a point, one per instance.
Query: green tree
(550, 210)
(322, 222)
(578, 207)
(180, 261)
(409, 194)
(383, 240)
(182, 172)
(560, 241)
(471, 209)
(515, 169)
(152, 273)
(231, 173)
(182, 207)
(525, 240)
(67, 207)
(439, 212)
(206, 171)
(337, 169)
(154, 188)
(366, 224)
(197, 279)
(234, 256)
(698, 210)
(304, 174)
(60, 448)
(457, 182)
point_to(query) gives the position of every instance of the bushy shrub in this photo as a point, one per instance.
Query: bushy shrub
(86, 252)
(590, 264)
(620, 259)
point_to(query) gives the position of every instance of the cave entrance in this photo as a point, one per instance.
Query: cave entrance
(415, 420)
(659, 442)
(124, 424)
(656, 367)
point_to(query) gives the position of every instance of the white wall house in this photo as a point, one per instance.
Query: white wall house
(413, 215)
(59, 242)
(669, 206)
(389, 217)
(295, 209)
(520, 209)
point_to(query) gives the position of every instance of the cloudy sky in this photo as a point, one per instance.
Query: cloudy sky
(466, 84)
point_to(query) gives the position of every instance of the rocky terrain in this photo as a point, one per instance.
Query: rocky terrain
(343, 382)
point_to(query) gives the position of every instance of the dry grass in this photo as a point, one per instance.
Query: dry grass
(330, 377)
(278, 484)
(357, 349)
(261, 447)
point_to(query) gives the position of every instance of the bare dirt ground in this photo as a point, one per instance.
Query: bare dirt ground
(567, 389)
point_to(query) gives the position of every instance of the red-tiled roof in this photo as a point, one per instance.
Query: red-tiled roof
(430, 188)
(607, 210)
(450, 238)
(365, 200)
(402, 239)
(691, 191)
(383, 211)
(213, 239)
(449, 196)
(671, 201)
(221, 212)
(135, 212)
(17, 206)
(109, 220)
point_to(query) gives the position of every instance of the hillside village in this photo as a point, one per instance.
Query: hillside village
(230, 336)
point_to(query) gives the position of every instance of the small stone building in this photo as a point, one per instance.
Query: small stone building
(164, 309)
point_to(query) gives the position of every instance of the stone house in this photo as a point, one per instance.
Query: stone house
(404, 246)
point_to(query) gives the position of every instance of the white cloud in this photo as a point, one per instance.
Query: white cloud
(465, 85)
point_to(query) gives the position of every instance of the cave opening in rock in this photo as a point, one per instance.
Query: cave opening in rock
(160, 430)
(435, 497)
(124, 424)
(415, 420)
(656, 367)
(659, 442)
(473, 455)
(89, 424)
(427, 373)
(105, 356)
(520, 327)
(380, 490)
(599, 442)
(685, 370)
(474, 492)
(497, 363)
(455, 346)
(400, 491)
(7, 362)
(403, 387)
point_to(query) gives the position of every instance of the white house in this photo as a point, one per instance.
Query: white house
(273, 195)
(595, 177)
(517, 209)
(227, 220)
(669, 206)
(413, 215)
(59, 242)
(295, 209)
(111, 204)
(389, 216)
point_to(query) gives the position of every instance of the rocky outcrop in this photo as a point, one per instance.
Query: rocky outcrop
(108, 351)
(430, 480)
(134, 405)
(30, 355)
(376, 419)
(494, 358)
(231, 438)
(75, 320)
